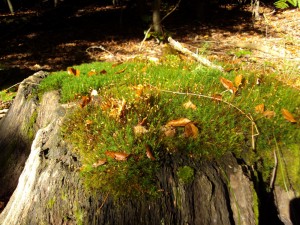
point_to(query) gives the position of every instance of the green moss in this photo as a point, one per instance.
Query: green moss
(224, 126)
(51, 203)
(288, 175)
(255, 206)
(29, 127)
(185, 174)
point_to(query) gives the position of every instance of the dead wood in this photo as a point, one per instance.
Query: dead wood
(177, 46)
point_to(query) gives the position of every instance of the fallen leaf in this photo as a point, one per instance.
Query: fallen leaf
(238, 80)
(100, 162)
(169, 131)
(190, 130)
(149, 152)
(228, 85)
(121, 156)
(139, 130)
(121, 71)
(88, 122)
(260, 108)
(288, 116)
(92, 73)
(269, 114)
(179, 122)
(103, 72)
(189, 105)
(119, 109)
(84, 101)
(72, 71)
(116, 64)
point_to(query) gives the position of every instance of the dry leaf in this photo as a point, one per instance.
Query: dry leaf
(119, 156)
(88, 122)
(100, 162)
(149, 152)
(228, 85)
(118, 109)
(84, 101)
(121, 71)
(238, 80)
(179, 122)
(189, 105)
(288, 116)
(139, 130)
(260, 108)
(72, 71)
(190, 130)
(169, 131)
(103, 72)
(269, 114)
(92, 73)
(116, 64)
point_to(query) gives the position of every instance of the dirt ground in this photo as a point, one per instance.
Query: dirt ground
(54, 39)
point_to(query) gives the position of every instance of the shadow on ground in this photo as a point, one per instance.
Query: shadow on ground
(56, 38)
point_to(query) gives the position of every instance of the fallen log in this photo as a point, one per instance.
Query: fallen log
(177, 46)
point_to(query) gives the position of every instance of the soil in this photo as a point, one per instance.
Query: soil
(51, 39)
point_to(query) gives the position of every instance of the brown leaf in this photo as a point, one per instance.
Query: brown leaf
(72, 71)
(169, 131)
(119, 156)
(269, 114)
(103, 72)
(92, 73)
(238, 80)
(149, 152)
(84, 101)
(260, 108)
(88, 122)
(190, 130)
(288, 116)
(189, 105)
(121, 71)
(179, 122)
(100, 162)
(116, 64)
(119, 109)
(228, 85)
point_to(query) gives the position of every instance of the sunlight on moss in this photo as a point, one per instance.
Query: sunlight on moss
(144, 96)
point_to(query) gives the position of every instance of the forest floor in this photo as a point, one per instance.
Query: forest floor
(67, 36)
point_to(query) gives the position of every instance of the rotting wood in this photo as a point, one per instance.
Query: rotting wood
(177, 46)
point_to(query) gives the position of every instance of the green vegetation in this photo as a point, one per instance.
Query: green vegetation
(115, 132)
(185, 174)
(7, 96)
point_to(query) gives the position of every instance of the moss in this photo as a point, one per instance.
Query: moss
(185, 174)
(155, 94)
(255, 206)
(29, 127)
(51, 203)
(288, 173)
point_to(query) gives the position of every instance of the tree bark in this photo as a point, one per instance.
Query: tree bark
(156, 17)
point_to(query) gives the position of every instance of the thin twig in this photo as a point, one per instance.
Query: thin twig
(12, 86)
(274, 170)
(99, 47)
(103, 202)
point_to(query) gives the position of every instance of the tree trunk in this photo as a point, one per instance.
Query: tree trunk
(156, 17)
